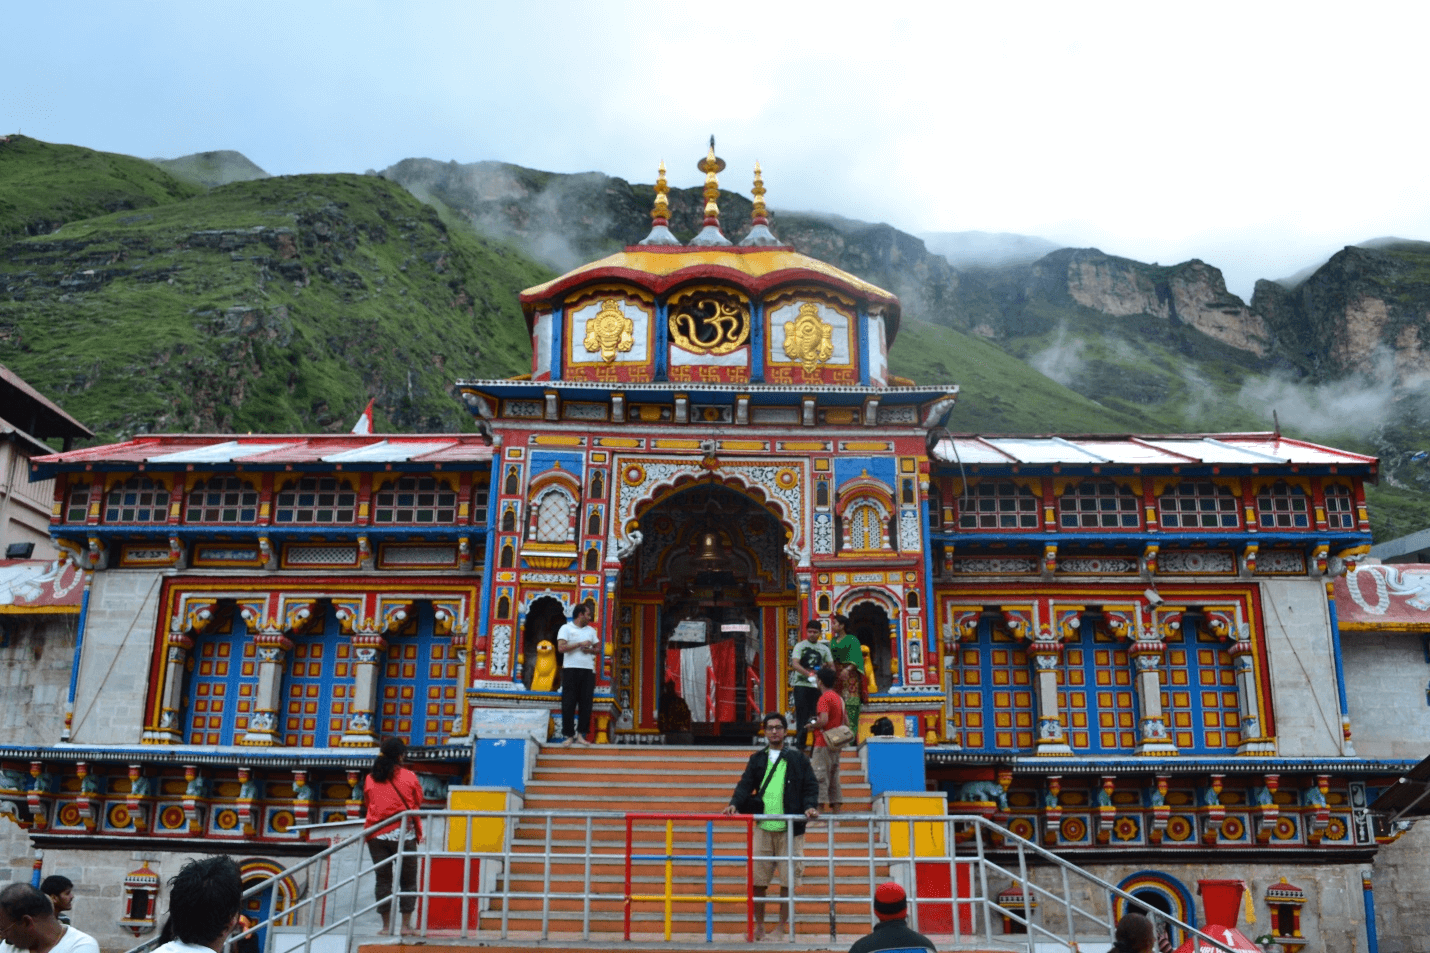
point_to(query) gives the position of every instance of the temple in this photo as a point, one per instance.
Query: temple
(1124, 647)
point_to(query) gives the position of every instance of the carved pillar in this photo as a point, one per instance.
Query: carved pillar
(193, 618)
(1106, 810)
(1224, 624)
(273, 647)
(139, 800)
(195, 798)
(302, 800)
(1211, 809)
(1161, 813)
(1265, 811)
(1052, 736)
(88, 800)
(247, 795)
(353, 806)
(1152, 735)
(1052, 809)
(369, 651)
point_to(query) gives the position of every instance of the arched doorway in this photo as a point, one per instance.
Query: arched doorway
(869, 621)
(703, 611)
(543, 620)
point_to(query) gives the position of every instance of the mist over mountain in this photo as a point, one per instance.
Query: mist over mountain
(987, 249)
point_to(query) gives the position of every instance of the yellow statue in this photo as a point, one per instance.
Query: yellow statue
(544, 680)
(869, 682)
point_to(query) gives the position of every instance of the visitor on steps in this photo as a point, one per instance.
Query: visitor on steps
(785, 783)
(808, 657)
(1135, 934)
(388, 790)
(829, 713)
(892, 932)
(848, 655)
(577, 642)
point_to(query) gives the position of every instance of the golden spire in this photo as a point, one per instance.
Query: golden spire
(757, 209)
(660, 215)
(711, 165)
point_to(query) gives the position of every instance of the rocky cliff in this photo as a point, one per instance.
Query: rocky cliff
(1366, 311)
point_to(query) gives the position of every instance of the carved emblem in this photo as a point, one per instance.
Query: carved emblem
(710, 325)
(808, 339)
(610, 331)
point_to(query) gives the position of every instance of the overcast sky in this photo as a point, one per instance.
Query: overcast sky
(1259, 137)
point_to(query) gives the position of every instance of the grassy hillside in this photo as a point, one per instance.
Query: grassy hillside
(46, 185)
(275, 305)
(997, 392)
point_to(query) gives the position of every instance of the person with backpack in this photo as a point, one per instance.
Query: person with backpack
(389, 789)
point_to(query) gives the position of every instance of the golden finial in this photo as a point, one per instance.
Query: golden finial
(660, 215)
(757, 210)
(711, 165)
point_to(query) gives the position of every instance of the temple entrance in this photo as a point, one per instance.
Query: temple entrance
(869, 622)
(702, 608)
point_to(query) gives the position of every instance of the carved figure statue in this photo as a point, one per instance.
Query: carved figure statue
(1210, 798)
(628, 544)
(544, 680)
(249, 790)
(869, 681)
(303, 792)
(1261, 797)
(1104, 797)
(984, 791)
(198, 787)
(1312, 797)
(13, 780)
(1156, 798)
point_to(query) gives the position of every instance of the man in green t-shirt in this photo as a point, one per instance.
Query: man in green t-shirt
(849, 664)
(808, 657)
(790, 787)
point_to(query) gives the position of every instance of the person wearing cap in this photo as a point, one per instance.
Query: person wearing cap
(892, 932)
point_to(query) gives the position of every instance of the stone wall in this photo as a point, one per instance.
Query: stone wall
(1386, 682)
(115, 662)
(1303, 668)
(35, 667)
(1332, 919)
(1402, 892)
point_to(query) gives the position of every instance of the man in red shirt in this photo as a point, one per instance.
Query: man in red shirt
(829, 713)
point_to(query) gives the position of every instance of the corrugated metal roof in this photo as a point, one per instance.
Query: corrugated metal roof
(275, 450)
(1134, 450)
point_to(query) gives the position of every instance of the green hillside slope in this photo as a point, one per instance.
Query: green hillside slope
(997, 392)
(276, 305)
(210, 169)
(46, 185)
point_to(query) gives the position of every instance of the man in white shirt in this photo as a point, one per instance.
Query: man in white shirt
(28, 925)
(578, 642)
(204, 900)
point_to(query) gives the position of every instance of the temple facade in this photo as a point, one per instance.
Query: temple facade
(1125, 648)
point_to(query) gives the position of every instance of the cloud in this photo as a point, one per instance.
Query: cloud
(1360, 404)
(1062, 360)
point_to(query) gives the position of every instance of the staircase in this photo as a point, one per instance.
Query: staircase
(668, 780)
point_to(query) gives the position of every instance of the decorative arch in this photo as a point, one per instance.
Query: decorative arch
(1158, 885)
(776, 486)
(282, 894)
(552, 516)
(884, 647)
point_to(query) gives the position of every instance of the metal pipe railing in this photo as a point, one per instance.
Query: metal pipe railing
(581, 873)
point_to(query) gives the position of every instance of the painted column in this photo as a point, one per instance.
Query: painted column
(369, 651)
(1152, 735)
(1047, 655)
(1227, 626)
(79, 648)
(1372, 942)
(272, 649)
(192, 619)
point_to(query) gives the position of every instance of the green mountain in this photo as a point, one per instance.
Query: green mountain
(46, 185)
(282, 304)
(210, 169)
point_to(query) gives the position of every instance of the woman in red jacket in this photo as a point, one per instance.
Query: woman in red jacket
(389, 789)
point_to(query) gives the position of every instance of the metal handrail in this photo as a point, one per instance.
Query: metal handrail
(329, 905)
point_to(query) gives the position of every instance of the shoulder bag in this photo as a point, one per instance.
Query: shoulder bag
(755, 803)
(838, 737)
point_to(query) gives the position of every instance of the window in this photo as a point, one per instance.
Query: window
(508, 519)
(508, 557)
(935, 509)
(1282, 506)
(593, 524)
(1002, 505)
(415, 500)
(1340, 507)
(553, 518)
(316, 500)
(223, 500)
(598, 486)
(1200, 505)
(480, 497)
(1199, 695)
(318, 684)
(863, 527)
(78, 510)
(222, 689)
(593, 560)
(1097, 505)
(513, 477)
(821, 493)
(137, 500)
(1097, 696)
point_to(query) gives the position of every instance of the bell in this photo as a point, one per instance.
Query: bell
(711, 555)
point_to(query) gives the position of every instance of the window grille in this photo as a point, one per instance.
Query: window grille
(78, 510)
(1340, 507)
(1282, 506)
(316, 500)
(415, 500)
(1002, 505)
(1198, 505)
(223, 500)
(1098, 505)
